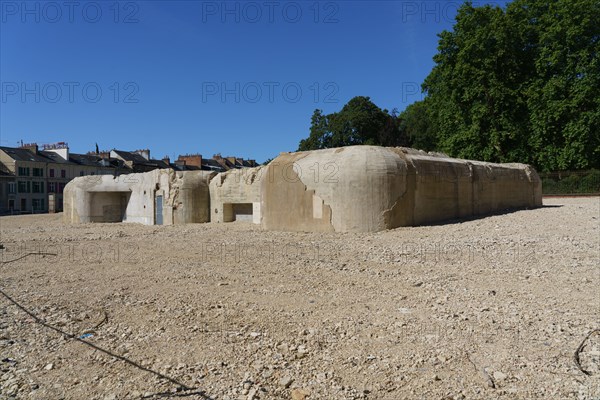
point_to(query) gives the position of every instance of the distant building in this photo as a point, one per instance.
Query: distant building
(231, 162)
(30, 170)
(138, 160)
(191, 162)
(8, 190)
(188, 162)
(32, 180)
(211, 164)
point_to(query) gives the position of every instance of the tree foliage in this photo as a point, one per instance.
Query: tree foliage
(415, 125)
(360, 121)
(514, 84)
(519, 84)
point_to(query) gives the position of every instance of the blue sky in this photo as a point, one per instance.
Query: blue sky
(177, 77)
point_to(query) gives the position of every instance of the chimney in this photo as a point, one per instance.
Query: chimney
(144, 153)
(191, 159)
(33, 147)
(60, 148)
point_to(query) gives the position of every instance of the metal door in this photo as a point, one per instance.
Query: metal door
(158, 210)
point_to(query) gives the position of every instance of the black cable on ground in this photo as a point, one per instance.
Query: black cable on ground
(27, 255)
(71, 336)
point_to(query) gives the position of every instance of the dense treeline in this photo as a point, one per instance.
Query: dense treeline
(520, 84)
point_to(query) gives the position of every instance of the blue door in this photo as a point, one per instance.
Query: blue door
(158, 210)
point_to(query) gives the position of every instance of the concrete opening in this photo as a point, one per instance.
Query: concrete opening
(158, 210)
(237, 212)
(109, 206)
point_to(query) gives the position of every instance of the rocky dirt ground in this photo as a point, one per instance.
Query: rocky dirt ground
(491, 308)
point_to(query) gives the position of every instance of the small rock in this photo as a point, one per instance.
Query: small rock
(499, 376)
(49, 367)
(252, 394)
(300, 394)
(286, 381)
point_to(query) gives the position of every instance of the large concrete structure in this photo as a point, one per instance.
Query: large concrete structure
(156, 197)
(235, 195)
(349, 189)
(369, 188)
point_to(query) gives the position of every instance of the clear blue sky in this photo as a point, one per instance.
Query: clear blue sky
(238, 78)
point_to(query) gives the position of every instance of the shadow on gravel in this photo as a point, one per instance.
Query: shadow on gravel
(179, 394)
(482, 216)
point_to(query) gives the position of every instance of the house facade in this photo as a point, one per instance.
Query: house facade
(33, 180)
(8, 191)
(30, 171)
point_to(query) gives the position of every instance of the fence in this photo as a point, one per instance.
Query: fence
(571, 182)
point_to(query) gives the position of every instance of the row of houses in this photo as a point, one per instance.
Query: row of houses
(32, 179)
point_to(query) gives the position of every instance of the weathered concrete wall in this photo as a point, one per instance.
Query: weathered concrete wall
(133, 197)
(235, 195)
(369, 188)
(351, 189)
(190, 197)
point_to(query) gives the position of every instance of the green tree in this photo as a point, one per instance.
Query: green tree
(563, 96)
(360, 121)
(475, 90)
(415, 124)
(520, 84)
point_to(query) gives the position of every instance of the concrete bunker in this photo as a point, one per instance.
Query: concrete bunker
(238, 212)
(370, 188)
(349, 189)
(109, 206)
(235, 195)
(153, 198)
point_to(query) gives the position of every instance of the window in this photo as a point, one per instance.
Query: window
(61, 186)
(23, 171)
(37, 187)
(80, 173)
(51, 187)
(63, 173)
(12, 187)
(51, 172)
(37, 204)
(38, 172)
(24, 187)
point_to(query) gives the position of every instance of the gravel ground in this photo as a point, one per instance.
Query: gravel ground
(489, 308)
